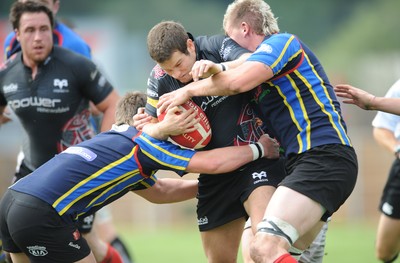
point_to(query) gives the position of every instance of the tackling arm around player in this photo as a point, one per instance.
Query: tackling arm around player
(387, 134)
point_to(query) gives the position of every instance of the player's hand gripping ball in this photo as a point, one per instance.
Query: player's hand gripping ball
(198, 138)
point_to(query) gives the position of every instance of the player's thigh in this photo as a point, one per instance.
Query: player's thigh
(103, 223)
(300, 211)
(388, 234)
(98, 246)
(305, 241)
(89, 259)
(221, 244)
(257, 202)
(19, 258)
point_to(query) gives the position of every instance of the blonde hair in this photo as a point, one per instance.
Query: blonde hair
(256, 13)
(128, 106)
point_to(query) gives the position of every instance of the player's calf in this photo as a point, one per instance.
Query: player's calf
(112, 256)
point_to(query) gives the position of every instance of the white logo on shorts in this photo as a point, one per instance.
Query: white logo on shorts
(74, 245)
(37, 251)
(260, 177)
(387, 208)
(202, 221)
(87, 222)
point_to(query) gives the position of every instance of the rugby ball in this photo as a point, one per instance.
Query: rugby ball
(198, 138)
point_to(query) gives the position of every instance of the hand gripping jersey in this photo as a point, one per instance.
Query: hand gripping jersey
(298, 104)
(85, 177)
(62, 36)
(53, 108)
(231, 117)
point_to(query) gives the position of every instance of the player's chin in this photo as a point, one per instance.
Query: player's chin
(39, 58)
(186, 80)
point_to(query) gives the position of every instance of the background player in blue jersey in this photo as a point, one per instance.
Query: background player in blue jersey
(48, 95)
(38, 213)
(386, 132)
(300, 108)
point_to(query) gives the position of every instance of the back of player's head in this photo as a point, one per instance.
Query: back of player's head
(165, 38)
(20, 8)
(128, 106)
(256, 13)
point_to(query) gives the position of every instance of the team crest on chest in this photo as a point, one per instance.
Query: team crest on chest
(60, 85)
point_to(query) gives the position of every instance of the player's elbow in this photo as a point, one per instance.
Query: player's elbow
(233, 89)
(235, 86)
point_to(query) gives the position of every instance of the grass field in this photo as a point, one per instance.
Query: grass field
(346, 243)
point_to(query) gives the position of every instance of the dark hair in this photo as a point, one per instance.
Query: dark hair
(165, 38)
(19, 8)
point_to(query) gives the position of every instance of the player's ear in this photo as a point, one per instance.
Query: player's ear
(190, 45)
(16, 33)
(245, 28)
(56, 7)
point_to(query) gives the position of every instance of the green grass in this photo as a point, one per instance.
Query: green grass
(346, 243)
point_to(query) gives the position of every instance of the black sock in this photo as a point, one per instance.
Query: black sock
(393, 259)
(123, 251)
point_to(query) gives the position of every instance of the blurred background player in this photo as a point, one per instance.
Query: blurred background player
(66, 37)
(56, 95)
(62, 35)
(386, 132)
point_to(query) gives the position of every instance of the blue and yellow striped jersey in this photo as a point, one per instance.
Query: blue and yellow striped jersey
(298, 104)
(89, 175)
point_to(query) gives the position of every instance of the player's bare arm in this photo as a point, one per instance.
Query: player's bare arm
(386, 138)
(237, 80)
(107, 107)
(205, 68)
(367, 101)
(353, 95)
(3, 117)
(222, 160)
(170, 190)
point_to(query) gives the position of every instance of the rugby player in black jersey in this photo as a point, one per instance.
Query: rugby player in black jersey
(224, 201)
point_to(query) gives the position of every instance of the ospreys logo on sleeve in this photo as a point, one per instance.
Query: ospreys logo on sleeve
(225, 49)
